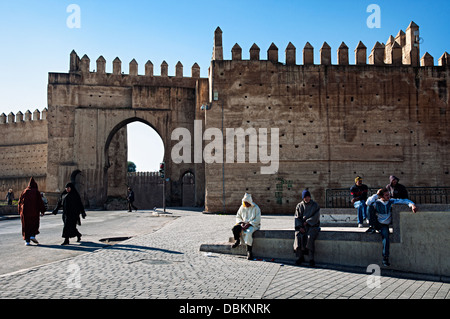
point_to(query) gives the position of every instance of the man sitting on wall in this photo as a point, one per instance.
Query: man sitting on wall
(248, 220)
(382, 203)
(359, 192)
(307, 227)
(396, 189)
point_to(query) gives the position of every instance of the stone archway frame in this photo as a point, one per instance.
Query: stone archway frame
(112, 132)
(84, 108)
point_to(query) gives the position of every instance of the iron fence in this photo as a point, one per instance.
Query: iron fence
(341, 197)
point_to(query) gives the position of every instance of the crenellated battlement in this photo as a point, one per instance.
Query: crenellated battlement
(19, 117)
(82, 66)
(387, 113)
(403, 49)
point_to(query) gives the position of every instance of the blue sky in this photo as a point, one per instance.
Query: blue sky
(35, 38)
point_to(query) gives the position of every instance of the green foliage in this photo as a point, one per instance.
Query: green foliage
(131, 167)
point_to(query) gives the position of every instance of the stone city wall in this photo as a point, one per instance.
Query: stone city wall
(335, 121)
(23, 150)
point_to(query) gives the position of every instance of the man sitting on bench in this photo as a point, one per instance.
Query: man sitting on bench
(248, 220)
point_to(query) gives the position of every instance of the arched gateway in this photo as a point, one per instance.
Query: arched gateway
(385, 114)
(86, 110)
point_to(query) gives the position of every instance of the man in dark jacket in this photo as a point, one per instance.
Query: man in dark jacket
(307, 227)
(130, 199)
(359, 193)
(395, 189)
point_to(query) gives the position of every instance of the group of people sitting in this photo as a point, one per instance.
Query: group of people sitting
(359, 193)
(377, 209)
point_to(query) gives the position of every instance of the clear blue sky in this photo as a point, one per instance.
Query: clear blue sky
(35, 38)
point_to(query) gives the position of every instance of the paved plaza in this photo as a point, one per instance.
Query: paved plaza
(167, 264)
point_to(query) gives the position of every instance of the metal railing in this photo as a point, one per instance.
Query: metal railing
(341, 197)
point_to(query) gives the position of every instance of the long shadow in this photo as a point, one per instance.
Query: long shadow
(384, 272)
(88, 246)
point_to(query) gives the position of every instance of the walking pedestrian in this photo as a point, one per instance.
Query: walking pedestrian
(383, 210)
(359, 192)
(10, 196)
(30, 205)
(130, 199)
(248, 220)
(70, 201)
(45, 200)
(307, 227)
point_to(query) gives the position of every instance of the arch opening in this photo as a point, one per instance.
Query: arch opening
(188, 189)
(133, 140)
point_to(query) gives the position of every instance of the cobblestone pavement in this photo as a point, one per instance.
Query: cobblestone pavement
(167, 264)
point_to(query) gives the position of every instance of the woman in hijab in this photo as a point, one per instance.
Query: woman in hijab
(72, 206)
(30, 205)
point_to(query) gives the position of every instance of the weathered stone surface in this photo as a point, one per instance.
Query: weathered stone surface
(334, 122)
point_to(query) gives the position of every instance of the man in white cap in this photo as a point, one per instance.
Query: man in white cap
(248, 220)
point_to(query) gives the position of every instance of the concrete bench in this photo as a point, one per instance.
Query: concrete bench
(333, 245)
(420, 243)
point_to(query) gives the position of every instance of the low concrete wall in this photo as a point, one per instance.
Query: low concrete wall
(420, 243)
(9, 210)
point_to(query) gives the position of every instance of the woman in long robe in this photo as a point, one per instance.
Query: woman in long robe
(72, 206)
(30, 205)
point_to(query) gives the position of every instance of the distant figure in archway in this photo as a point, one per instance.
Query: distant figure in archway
(10, 196)
(130, 199)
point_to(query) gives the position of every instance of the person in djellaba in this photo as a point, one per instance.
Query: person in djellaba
(70, 201)
(248, 220)
(30, 207)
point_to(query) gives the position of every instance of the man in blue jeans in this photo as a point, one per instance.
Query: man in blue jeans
(382, 218)
(359, 192)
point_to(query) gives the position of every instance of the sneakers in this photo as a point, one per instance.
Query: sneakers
(360, 226)
(33, 239)
(386, 262)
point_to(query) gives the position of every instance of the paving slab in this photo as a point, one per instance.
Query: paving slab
(168, 264)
